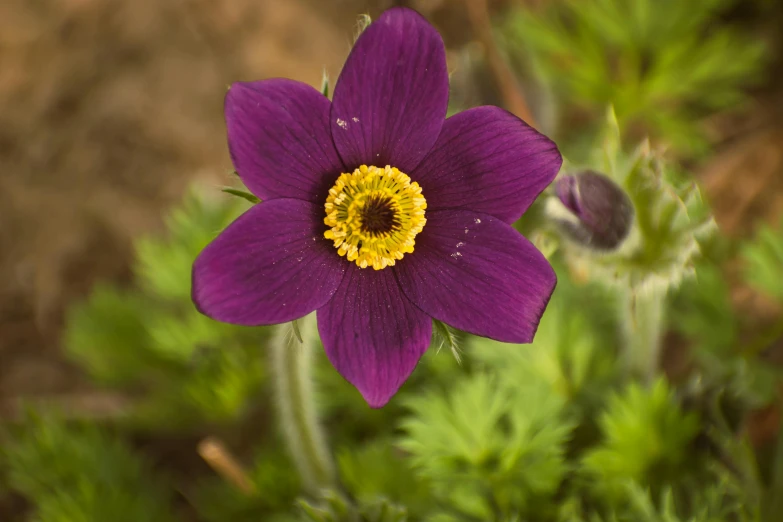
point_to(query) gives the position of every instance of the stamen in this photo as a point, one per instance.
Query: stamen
(374, 214)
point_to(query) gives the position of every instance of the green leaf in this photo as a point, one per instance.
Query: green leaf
(662, 64)
(702, 311)
(75, 473)
(377, 469)
(763, 257)
(479, 447)
(163, 264)
(107, 334)
(647, 439)
(244, 194)
(182, 366)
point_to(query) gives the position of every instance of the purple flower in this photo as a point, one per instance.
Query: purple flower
(378, 212)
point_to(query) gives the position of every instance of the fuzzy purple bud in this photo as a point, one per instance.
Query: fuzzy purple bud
(604, 210)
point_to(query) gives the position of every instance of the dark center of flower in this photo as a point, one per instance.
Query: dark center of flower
(374, 215)
(378, 216)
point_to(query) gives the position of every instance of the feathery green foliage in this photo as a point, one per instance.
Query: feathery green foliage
(663, 64)
(378, 469)
(764, 261)
(82, 473)
(484, 454)
(182, 366)
(508, 435)
(646, 439)
(333, 507)
(703, 313)
(574, 360)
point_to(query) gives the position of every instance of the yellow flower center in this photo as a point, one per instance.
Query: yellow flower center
(375, 214)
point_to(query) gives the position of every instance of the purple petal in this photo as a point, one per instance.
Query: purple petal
(478, 274)
(390, 100)
(566, 191)
(280, 141)
(487, 160)
(372, 334)
(270, 266)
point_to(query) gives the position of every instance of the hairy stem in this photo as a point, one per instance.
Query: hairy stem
(641, 316)
(292, 366)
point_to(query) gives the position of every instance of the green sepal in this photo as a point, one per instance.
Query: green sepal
(241, 194)
(447, 337)
(297, 332)
(325, 84)
(362, 23)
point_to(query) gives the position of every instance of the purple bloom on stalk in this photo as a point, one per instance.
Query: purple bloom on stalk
(378, 212)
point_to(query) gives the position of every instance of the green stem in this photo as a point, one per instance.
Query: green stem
(641, 316)
(292, 364)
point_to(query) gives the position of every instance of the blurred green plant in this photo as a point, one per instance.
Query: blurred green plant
(378, 469)
(717, 503)
(180, 366)
(573, 358)
(764, 261)
(275, 488)
(547, 432)
(646, 439)
(483, 454)
(81, 473)
(334, 507)
(663, 64)
(729, 347)
(703, 313)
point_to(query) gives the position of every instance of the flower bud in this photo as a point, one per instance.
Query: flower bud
(603, 210)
